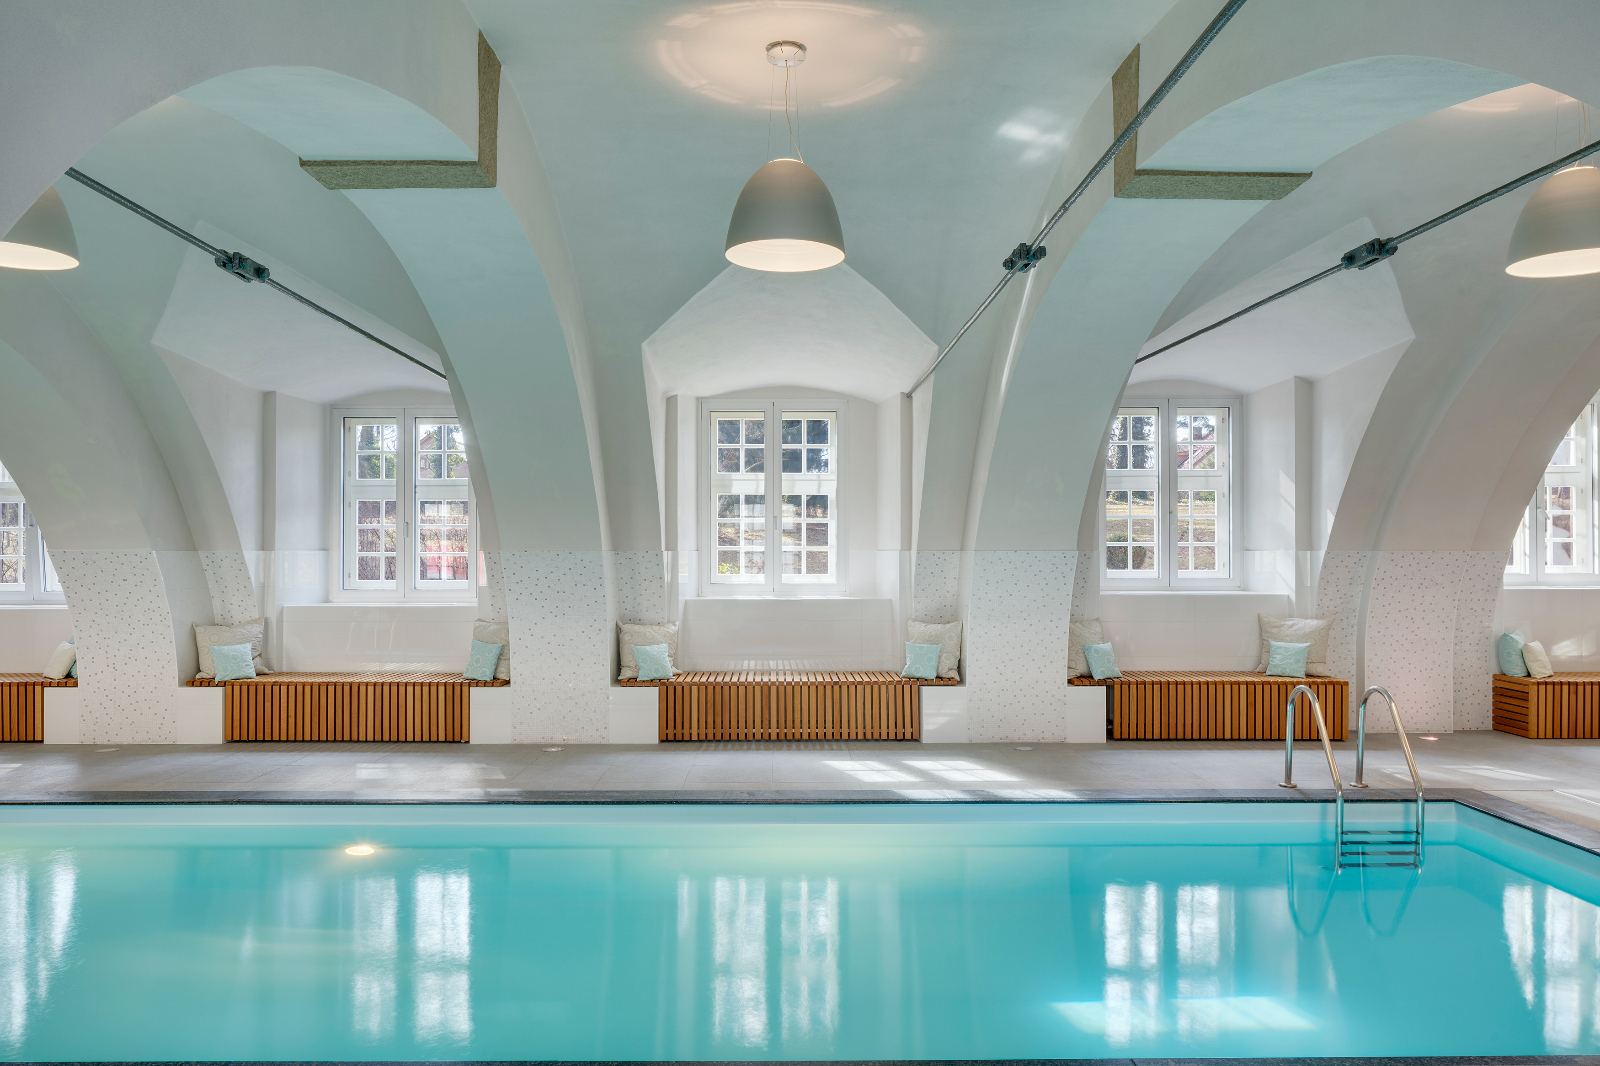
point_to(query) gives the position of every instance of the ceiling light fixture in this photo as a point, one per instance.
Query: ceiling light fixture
(42, 239)
(1558, 232)
(785, 219)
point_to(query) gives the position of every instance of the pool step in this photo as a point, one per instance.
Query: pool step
(1357, 846)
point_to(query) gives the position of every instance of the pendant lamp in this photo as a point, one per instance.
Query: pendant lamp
(785, 220)
(1558, 232)
(42, 239)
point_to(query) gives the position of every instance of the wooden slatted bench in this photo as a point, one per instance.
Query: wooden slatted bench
(790, 705)
(22, 705)
(1218, 705)
(1558, 707)
(358, 707)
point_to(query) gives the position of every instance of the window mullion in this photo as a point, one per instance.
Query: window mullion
(773, 464)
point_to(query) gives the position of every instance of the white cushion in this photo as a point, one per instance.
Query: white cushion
(61, 661)
(1533, 654)
(496, 633)
(629, 635)
(1084, 631)
(252, 633)
(1312, 631)
(945, 634)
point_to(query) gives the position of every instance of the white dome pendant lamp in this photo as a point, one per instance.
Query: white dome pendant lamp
(1558, 233)
(42, 239)
(785, 220)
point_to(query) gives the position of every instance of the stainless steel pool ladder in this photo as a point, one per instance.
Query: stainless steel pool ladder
(1391, 842)
(1333, 767)
(1357, 847)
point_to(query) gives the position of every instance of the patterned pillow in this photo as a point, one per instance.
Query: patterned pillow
(1102, 663)
(1286, 660)
(496, 633)
(655, 664)
(922, 661)
(482, 661)
(945, 634)
(233, 662)
(631, 635)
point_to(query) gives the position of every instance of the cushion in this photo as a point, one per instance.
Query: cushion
(496, 633)
(1079, 634)
(922, 660)
(630, 636)
(1538, 663)
(72, 671)
(945, 634)
(61, 660)
(482, 661)
(1286, 660)
(232, 661)
(1508, 649)
(1312, 631)
(208, 637)
(1102, 663)
(653, 662)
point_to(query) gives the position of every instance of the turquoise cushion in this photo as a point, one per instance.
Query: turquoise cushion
(233, 661)
(1102, 663)
(482, 661)
(1286, 660)
(655, 664)
(922, 660)
(1509, 651)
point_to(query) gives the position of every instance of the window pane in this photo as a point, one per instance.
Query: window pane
(727, 460)
(1143, 558)
(791, 431)
(727, 533)
(1144, 427)
(816, 507)
(791, 506)
(791, 460)
(1142, 457)
(791, 534)
(738, 465)
(441, 541)
(1119, 428)
(791, 562)
(728, 506)
(1117, 457)
(817, 430)
(1116, 530)
(817, 562)
(755, 431)
(1117, 557)
(810, 475)
(371, 524)
(755, 460)
(13, 566)
(727, 431)
(816, 460)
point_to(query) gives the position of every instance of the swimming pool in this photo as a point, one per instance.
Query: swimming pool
(769, 932)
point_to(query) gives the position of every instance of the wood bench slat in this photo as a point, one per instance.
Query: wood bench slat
(1218, 705)
(369, 707)
(22, 706)
(789, 705)
(1563, 706)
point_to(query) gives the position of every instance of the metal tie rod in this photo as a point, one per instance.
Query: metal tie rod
(236, 263)
(1026, 255)
(1378, 250)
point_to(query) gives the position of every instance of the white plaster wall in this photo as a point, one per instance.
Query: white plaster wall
(815, 633)
(1188, 630)
(398, 638)
(28, 634)
(1565, 620)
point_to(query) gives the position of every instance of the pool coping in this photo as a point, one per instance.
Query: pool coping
(1419, 1060)
(1547, 825)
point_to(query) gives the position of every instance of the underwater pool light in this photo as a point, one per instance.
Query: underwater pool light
(360, 849)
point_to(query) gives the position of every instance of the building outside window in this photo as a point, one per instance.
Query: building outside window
(406, 506)
(772, 504)
(26, 573)
(1167, 518)
(1555, 543)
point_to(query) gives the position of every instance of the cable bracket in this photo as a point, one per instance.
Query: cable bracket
(1375, 251)
(242, 267)
(1023, 258)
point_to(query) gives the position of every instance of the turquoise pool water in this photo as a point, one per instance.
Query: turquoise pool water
(861, 932)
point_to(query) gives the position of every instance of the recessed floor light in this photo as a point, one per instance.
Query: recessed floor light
(360, 849)
(1427, 738)
(1024, 747)
(102, 751)
(554, 749)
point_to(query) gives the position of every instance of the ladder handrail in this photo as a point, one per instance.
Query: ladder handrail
(1333, 767)
(1405, 745)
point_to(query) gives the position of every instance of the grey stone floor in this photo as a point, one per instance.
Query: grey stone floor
(1560, 777)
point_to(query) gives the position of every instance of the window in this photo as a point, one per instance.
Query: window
(1555, 542)
(773, 499)
(1168, 494)
(406, 507)
(26, 573)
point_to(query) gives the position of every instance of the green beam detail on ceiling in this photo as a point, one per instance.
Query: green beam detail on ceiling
(1209, 185)
(1131, 183)
(477, 173)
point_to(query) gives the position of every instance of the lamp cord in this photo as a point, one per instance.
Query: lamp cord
(238, 265)
(795, 143)
(1381, 249)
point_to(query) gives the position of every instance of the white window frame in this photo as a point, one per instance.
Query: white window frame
(1166, 577)
(773, 586)
(1528, 560)
(341, 588)
(39, 581)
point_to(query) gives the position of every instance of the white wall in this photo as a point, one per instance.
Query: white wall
(822, 633)
(28, 634)
(401, 638)
(1565, 620)
(1188, 630)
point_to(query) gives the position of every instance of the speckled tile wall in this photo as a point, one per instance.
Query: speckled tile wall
(561, 638)
(1015, 643)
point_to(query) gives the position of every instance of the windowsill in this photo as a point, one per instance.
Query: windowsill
(35, 605)
(1547, 588)
(1227, 590)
